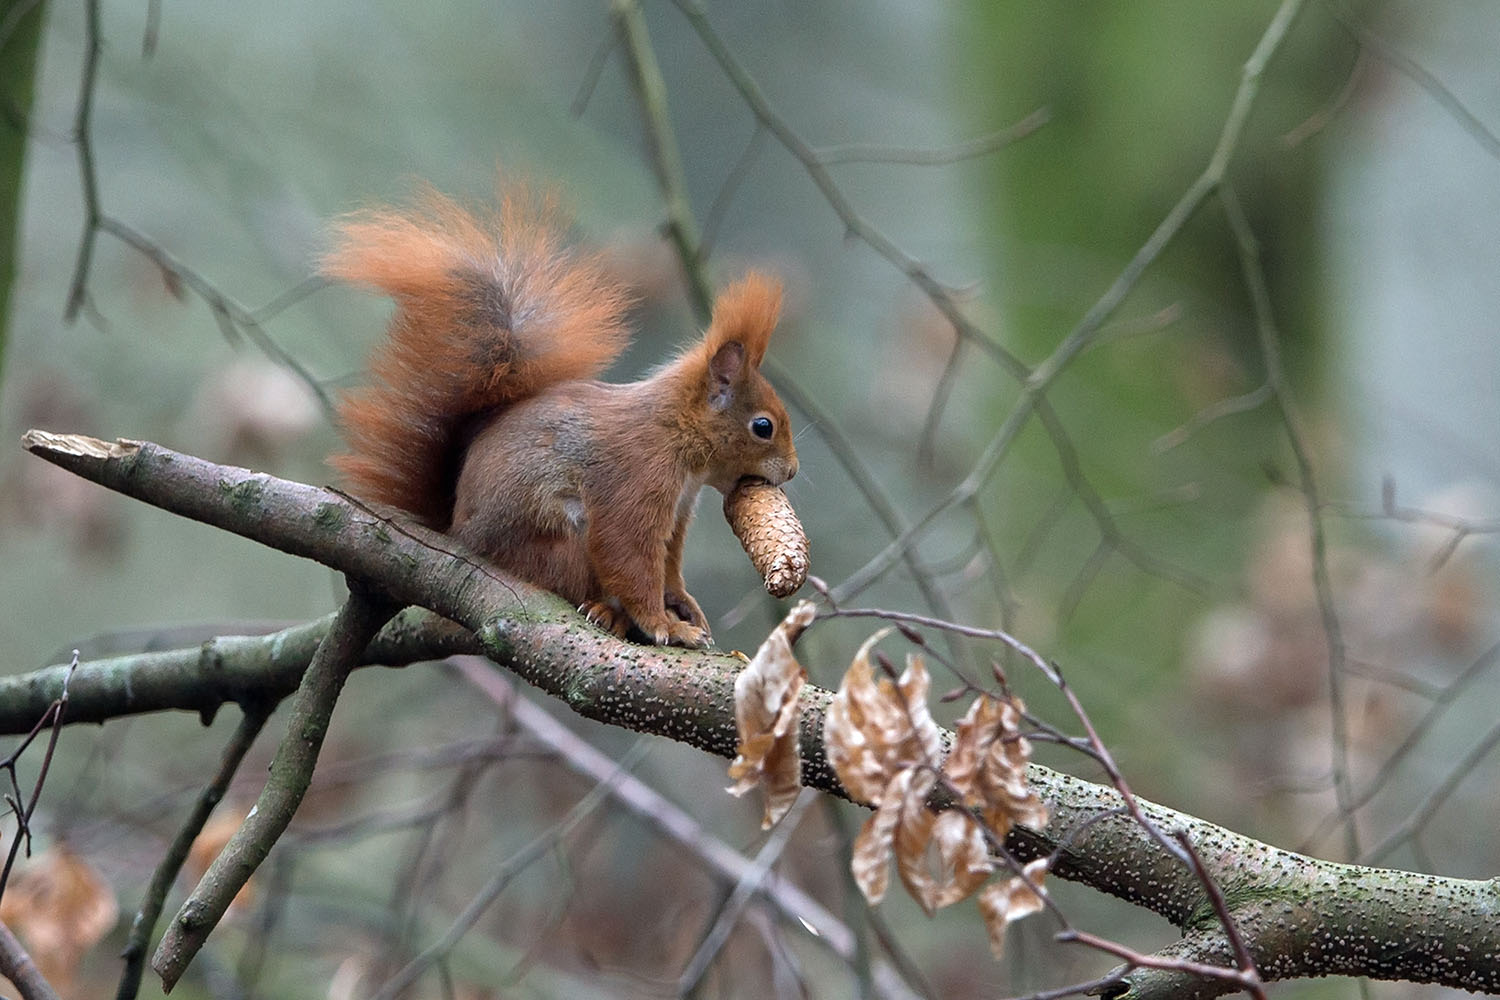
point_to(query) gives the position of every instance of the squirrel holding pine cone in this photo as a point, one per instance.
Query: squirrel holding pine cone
(483, 417)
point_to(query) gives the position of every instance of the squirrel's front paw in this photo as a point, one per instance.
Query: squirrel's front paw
(681, 604)
(684, 634)
(606, 616)
(668, 631)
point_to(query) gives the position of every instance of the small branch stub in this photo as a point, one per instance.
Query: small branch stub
(767, 527)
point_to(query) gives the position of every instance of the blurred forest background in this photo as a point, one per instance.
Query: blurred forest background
(1151, 534)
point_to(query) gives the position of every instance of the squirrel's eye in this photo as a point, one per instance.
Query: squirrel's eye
(762, 428)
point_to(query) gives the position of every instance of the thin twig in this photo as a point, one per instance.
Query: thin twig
(1226, 919)
(744, 890)
(1083, 335)
(361, 617)
(1136, 959)
(1420, 815)
(233, 319)
(1446, 99)
(1440, 705)
(83, 139)
(52, 718)
(506, 871)
(1226, 407)
(17, 966)
(251, 722)
(873, 152)
(1270, 348)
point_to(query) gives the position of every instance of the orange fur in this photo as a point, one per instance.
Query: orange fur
(444, 359)
(483, 417)
(746, 311)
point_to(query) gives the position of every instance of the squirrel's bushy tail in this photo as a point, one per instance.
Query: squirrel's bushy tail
(490, 309)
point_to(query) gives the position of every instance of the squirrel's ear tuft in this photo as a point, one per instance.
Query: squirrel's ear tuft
(746, 313)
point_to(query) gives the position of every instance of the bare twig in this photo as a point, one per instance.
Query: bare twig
(1084, 334)
(233, 319)
(744, 890)
(873, 152)
(1270, 348)
(1320, 119)
(1214, 411)
(134, 954)
(17, 966)
(505, 872)
(353, 627)
(1440, 705)
(1371, 42)
(652, 808)
(83, 139)
(51, 718)
(1422, 814)
(1135, 959)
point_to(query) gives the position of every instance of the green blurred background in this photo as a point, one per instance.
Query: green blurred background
(228, 135)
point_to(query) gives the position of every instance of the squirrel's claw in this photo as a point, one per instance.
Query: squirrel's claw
(606, 616)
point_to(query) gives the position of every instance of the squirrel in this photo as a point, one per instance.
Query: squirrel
(483, 417)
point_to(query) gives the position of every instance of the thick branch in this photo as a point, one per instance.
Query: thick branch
(243, 670)
(1299, 916)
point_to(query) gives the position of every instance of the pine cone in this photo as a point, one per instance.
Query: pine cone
(766, 525)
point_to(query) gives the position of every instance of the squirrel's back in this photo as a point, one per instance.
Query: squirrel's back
(490, 309)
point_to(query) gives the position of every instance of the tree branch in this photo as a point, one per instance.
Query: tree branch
(1298, 916)
(141, 928)
(17, 966)
(357, 622)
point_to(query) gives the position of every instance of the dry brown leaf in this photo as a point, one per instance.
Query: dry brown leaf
(60, 908)
(987, 765)
(884, 746)
(942, 857)
(767, 714)
(870, 861)
(766, 525)
(1010, 900)
(875, 728)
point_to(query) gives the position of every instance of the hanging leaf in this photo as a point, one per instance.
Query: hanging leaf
(884, 746)
(767, 715)
(1010, 900)
(875, 728)
(987, 765)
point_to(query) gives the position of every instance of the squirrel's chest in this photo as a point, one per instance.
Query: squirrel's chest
(687, 499)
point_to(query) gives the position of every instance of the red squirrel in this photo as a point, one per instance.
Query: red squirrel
(483, 417)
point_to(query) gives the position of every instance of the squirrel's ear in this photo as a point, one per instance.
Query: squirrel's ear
(746, 312)
(724, 371)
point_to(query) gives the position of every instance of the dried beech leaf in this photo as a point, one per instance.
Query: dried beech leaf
(766, 716)
(942, 857)
(883, 744)
(913, 835)
(768, 529)
(875, 728)
(987, 765)
(964, 855)
(60, 908)
(870, 862)
(1010, 900)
